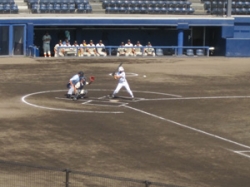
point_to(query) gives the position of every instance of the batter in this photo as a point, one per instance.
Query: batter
(121, 76)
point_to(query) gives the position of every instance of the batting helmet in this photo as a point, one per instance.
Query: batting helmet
(121, 68)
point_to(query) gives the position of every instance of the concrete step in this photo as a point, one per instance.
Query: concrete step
(198, 6)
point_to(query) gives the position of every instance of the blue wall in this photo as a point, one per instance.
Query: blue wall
(237, 47)
(230, 36)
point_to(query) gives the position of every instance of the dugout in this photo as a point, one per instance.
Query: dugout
(229, 36)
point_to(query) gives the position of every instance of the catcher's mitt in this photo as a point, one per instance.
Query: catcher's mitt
(91, 78)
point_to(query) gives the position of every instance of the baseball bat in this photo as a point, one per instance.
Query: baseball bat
(117, 68)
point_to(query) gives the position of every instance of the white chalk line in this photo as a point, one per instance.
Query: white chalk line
(61, 109)
(188, 127)
(198, 98)
(137, 91)
(243, 153)
(87, 101)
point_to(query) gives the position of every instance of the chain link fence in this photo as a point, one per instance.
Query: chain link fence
(23, 175)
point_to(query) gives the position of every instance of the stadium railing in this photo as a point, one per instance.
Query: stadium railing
(166, 50)
(33, 51)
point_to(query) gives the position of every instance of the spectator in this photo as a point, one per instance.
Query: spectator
(58, 51)
(138, 49)
(149, 50)
(84, 49)
(129, 49)
(92, 49)
(46, 45)
(101, 49)
(121, 50)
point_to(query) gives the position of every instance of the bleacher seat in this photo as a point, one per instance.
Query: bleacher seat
(14, 8)
(130, 10)
(64, 3)
(156, 10)
(1, 8)
(119, 3)
(163, 10)
(190, 10)
(122, 10)
(31, 2)
(50, 8)
(170, 10)
(6, 8)
(148, 6)
(71, 1)
(88, 8)
(143, 10)
(5, 1)
(72, 7)
(44, 2)
(11, 2)
(34, 8)
(43, 8)
(126, 3)
(64, 8)
(183, 10)
(150, 10)
(57, 2)
(57, 8)
(81, 8)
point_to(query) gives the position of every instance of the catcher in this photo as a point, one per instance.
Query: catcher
(76, 85)
(80, 92)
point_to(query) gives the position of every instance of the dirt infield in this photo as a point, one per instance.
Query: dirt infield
(189, 124)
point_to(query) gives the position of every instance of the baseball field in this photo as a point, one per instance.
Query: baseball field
(189, 124)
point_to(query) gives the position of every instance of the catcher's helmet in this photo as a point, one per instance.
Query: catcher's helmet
(81, 73)
(120, 68)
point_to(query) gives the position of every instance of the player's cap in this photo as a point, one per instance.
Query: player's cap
(81, 73)
(84, 41)
(138, 42)
(91, 41)
(60, 41)
(128, 40)
(122, 43)
(149, 43)
(100, 41)
(120, 68)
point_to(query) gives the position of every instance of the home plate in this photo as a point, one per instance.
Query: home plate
(113, 100)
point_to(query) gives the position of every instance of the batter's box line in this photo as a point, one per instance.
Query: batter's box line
(109, 104)
(243, 153)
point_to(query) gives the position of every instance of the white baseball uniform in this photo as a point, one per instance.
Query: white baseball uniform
(46, 44)
(92, 50)
(122, 83)
(138, 50)
(84, 50)
(121, 51)
(149, 51)
(58, 53)
(129, 51)
(99, 48)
